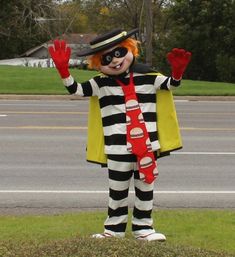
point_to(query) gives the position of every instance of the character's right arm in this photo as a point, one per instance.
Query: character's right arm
(88, 88)
(60, 53)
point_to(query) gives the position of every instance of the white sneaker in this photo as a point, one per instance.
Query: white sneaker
(103, 235)
(152, 237)
(108, 235)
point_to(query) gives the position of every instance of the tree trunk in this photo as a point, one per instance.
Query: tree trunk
(149, 28)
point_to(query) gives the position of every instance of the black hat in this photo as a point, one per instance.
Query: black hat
(107, 40)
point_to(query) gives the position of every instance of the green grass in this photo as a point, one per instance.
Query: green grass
(87, 247)
(22, 80)
(189, 233)
(198, 88)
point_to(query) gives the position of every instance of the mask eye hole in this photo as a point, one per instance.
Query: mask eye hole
(108, 58)
(117, 53)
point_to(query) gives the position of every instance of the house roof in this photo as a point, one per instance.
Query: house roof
(33, 50)
(75, 39)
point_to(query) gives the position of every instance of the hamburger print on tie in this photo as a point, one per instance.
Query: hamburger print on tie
(138, 142)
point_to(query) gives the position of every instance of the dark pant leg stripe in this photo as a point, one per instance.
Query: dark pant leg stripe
(118, 212)
(118, 195)
(116, 228)
(120, 175)
(139, 214)
(122, 157)
(144, 196)
(137, 227)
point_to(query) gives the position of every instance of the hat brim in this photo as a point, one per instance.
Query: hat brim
(90, 51)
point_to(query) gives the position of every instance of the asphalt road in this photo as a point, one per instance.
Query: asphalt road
(43, 167)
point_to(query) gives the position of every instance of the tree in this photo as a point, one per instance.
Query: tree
(149, 31)
(72, 18)
(207, 29)
(20, 27)
(104, 15)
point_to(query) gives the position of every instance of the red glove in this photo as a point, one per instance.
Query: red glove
(60, 53)
(179, 60)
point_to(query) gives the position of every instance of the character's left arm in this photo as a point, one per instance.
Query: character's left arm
(179, 60)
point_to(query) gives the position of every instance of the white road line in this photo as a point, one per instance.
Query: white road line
(181, 101)
(45, 112)
(51, 104)
(3, 115)
(204, 153)
(47, 127)
(106, 192)
(206, 129)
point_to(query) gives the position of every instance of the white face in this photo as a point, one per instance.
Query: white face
(118, 65)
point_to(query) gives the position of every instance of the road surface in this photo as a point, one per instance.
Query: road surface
(43, 167)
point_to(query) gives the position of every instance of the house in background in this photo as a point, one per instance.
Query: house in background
(39, 56)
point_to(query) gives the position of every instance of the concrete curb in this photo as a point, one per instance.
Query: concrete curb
(41, 97)
(72, 97)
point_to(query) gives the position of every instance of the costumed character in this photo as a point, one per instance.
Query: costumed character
(124, 132)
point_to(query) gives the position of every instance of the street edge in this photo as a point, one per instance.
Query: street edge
(73, 97)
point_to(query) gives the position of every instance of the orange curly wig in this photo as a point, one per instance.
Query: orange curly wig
(94, 61)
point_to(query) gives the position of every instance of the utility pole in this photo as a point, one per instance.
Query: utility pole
(149, 30)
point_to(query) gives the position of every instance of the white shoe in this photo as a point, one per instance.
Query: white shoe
(152, 237)
(103, 235)
(108, 235)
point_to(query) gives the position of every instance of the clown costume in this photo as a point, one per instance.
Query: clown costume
(124, 119)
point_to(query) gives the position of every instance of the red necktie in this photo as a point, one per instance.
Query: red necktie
(138, 141)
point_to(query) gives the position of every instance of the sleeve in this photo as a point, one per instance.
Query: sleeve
(88, 88)
(165, 83)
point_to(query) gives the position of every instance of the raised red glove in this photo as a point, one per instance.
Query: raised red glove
(179, 60)
(60, 53)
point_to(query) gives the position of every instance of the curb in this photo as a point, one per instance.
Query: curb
(41, 97)
(73, 97)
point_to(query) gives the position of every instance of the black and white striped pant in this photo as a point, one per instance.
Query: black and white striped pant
(121, 169)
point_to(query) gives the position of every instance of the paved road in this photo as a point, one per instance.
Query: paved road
(43, 167)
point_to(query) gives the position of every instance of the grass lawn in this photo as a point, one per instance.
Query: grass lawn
(23, 80)
(198, 88)
(189, 233)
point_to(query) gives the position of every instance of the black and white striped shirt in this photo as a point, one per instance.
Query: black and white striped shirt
(112, 105)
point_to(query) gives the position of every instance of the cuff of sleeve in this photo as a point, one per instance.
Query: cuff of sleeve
(68, 81)
(179, 79)
(174, 82)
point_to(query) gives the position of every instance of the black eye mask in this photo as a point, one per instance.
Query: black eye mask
(118, 52)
